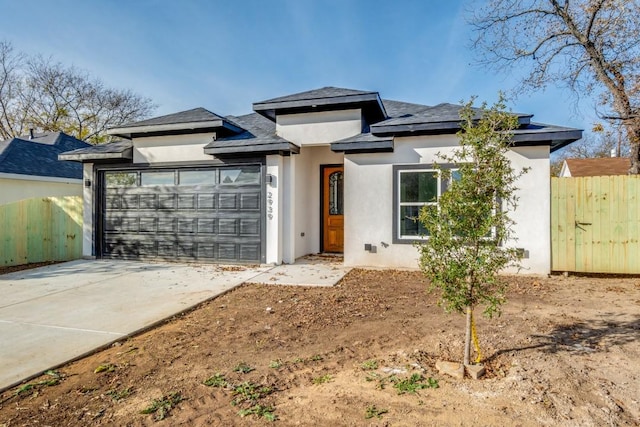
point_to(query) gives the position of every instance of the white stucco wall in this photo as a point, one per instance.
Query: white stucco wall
(14, 187)
(319, 128)
(170, 149)
(369, 203)
(307, 196)
(88, 243)
(275, 208)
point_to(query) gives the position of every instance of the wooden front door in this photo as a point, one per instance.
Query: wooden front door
(332, 209)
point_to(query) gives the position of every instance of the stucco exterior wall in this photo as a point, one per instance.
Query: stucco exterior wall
(171, 149)
(88, 243)
(369, 203)
(307, 196)
(18, 188)
(319, 128)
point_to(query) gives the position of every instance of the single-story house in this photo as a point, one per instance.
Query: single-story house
(29, 167)
(595, 167)
(327, 170)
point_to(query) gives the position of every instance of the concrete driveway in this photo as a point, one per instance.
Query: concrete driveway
(55, 314)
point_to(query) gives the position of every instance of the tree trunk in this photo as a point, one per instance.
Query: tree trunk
(633, 133)
(467, 339)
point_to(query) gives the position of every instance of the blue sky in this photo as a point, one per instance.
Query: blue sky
(225, 55)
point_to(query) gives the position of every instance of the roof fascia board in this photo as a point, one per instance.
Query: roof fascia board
(344, 99)
(164, 127)
(259, 148)
(385, 146)
(126, 154)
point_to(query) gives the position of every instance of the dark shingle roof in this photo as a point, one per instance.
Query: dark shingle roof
(324, 99)
(39, 156)
(112, 151)
(197, 120)
(315, 94)
(259, 137)
(189, 116)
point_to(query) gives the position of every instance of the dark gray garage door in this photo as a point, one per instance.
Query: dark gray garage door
(209, 214)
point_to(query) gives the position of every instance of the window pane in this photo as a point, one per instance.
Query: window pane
(206, 177)
(409, 224)
(120, 179)
(335, 194)
(242, 175)
(418, 187)
(157, 178)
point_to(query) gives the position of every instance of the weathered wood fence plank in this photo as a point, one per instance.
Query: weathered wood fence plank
(595, 223)
(41, 229)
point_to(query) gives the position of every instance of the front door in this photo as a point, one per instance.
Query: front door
(332, 209)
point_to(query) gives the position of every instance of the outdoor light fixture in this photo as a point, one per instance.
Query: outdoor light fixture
(87, 183)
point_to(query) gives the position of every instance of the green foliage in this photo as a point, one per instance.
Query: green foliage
(243, 368)
(373, 411)
(322, 379)
(250, 392)
(369, 365)
(262, 411)
(276, 364)
(414, 383)
(55, 379)
(218, 380)
(471, 229)
(470, 232)
(119, 394)
(161, 407)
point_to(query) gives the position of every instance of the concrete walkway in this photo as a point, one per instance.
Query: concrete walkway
(54, 314)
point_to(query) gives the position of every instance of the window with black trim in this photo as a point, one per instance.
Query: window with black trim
(414, 187)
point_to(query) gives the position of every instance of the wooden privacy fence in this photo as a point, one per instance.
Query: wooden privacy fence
(595, 224)
(41, 229)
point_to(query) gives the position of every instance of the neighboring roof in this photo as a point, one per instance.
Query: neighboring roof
(38, 156)
(197, 120)
(110, 152)
(259, 138)
(324, 99)
(597, 167)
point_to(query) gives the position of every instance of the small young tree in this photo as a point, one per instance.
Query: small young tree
(469, 230)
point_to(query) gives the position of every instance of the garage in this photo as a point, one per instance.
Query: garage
(210, 214)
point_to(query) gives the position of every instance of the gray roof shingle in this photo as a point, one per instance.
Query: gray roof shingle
(117, 150)
(39, 156)
(322, 93)
(189, 116)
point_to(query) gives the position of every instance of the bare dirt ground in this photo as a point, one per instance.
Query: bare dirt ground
(566, 351)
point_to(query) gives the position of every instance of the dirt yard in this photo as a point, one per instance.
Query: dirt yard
(566, 351)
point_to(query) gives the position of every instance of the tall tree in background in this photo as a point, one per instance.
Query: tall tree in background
(38, 93)
(591, 46)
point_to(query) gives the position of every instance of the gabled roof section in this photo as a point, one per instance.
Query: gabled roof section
(324, 99)
(38, 156)
(597, 167)
(117, 151)
(442, 118)
(197, 120)
(259, 138)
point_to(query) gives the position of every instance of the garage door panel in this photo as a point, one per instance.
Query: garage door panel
(250, 201)
(206, 201)
(184, 215)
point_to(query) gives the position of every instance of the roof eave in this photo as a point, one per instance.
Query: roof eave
(174, 128)
(364, 101)
(125, 155)
(361, 147)
(282, 148)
